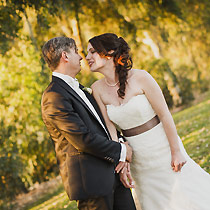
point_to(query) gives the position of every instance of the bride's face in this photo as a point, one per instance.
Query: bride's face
(95, 61)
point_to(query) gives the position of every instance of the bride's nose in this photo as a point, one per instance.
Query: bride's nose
(88, 56)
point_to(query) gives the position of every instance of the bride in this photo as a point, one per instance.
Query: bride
(166, 178)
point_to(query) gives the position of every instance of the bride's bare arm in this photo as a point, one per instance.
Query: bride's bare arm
(109, 124)
(157, 101)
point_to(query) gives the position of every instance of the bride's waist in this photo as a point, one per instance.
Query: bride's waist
(141, 128)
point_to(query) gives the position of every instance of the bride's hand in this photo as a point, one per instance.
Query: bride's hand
(177, 161)
(120, 166)
(125, 176)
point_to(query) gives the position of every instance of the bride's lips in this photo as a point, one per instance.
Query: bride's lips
(90, 63)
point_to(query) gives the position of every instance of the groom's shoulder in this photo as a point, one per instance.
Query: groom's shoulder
(52, 89)
(56, 85)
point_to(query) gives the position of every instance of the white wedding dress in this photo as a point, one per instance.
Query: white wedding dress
(157, 186)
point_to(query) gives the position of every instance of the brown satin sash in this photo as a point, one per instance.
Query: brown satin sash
(142, 128)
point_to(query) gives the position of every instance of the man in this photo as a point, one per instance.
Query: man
(85, 153)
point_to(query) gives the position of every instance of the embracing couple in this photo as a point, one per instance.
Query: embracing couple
(97, 163)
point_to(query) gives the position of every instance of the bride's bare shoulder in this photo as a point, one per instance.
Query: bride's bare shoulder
(140, 74)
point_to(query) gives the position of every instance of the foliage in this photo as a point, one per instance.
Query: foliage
(157, 69)
(11, 165)
(176, 54)
(26, 152)
(8, 30)
(186, 87)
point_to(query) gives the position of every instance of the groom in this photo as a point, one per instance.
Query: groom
(85, 153)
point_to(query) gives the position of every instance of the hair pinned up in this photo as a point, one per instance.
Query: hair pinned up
(103, 44)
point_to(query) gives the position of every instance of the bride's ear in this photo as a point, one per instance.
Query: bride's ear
(110, 52)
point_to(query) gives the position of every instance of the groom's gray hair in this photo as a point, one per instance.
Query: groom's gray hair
(53, 49)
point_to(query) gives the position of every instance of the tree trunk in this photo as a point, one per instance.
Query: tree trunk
(76, 29)
(34, 41)
(31, 34)
(78, 39)
(169, 76)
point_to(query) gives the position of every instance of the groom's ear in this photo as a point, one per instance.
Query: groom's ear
(64, 56)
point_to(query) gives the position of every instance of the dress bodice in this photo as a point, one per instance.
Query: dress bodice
(135, 112)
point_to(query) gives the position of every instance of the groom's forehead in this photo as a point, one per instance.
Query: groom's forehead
(73, 49)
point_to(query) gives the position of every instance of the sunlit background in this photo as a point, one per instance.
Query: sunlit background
(168, 38)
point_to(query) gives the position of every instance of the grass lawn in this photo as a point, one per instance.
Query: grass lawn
(193, 125)
(57, 200)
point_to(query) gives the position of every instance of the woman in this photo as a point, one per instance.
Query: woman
(166, 178)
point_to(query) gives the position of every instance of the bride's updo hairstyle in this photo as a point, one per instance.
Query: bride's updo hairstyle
(110, 45)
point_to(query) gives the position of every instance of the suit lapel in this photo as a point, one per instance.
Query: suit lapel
(91, 99)
(71, 91)
(95, 105)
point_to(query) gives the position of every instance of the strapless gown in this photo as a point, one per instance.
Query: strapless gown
(157, 186)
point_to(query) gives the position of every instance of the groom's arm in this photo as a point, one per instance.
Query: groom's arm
(59, 114)
(120, 137)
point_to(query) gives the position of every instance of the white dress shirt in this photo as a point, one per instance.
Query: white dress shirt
(74, 84)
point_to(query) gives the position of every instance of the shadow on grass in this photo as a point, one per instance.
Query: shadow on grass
(56, 200)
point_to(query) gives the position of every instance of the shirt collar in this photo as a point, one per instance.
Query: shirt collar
(73, 82)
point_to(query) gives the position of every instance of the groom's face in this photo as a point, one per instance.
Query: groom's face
(74, 59)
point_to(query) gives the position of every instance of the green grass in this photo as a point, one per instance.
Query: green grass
(57, 200)
(193, 125)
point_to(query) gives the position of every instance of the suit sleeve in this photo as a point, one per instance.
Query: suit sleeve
(58, 112)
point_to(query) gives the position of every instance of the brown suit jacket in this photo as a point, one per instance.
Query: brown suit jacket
(85, 155)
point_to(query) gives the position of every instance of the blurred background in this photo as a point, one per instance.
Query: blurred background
(168, 38)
